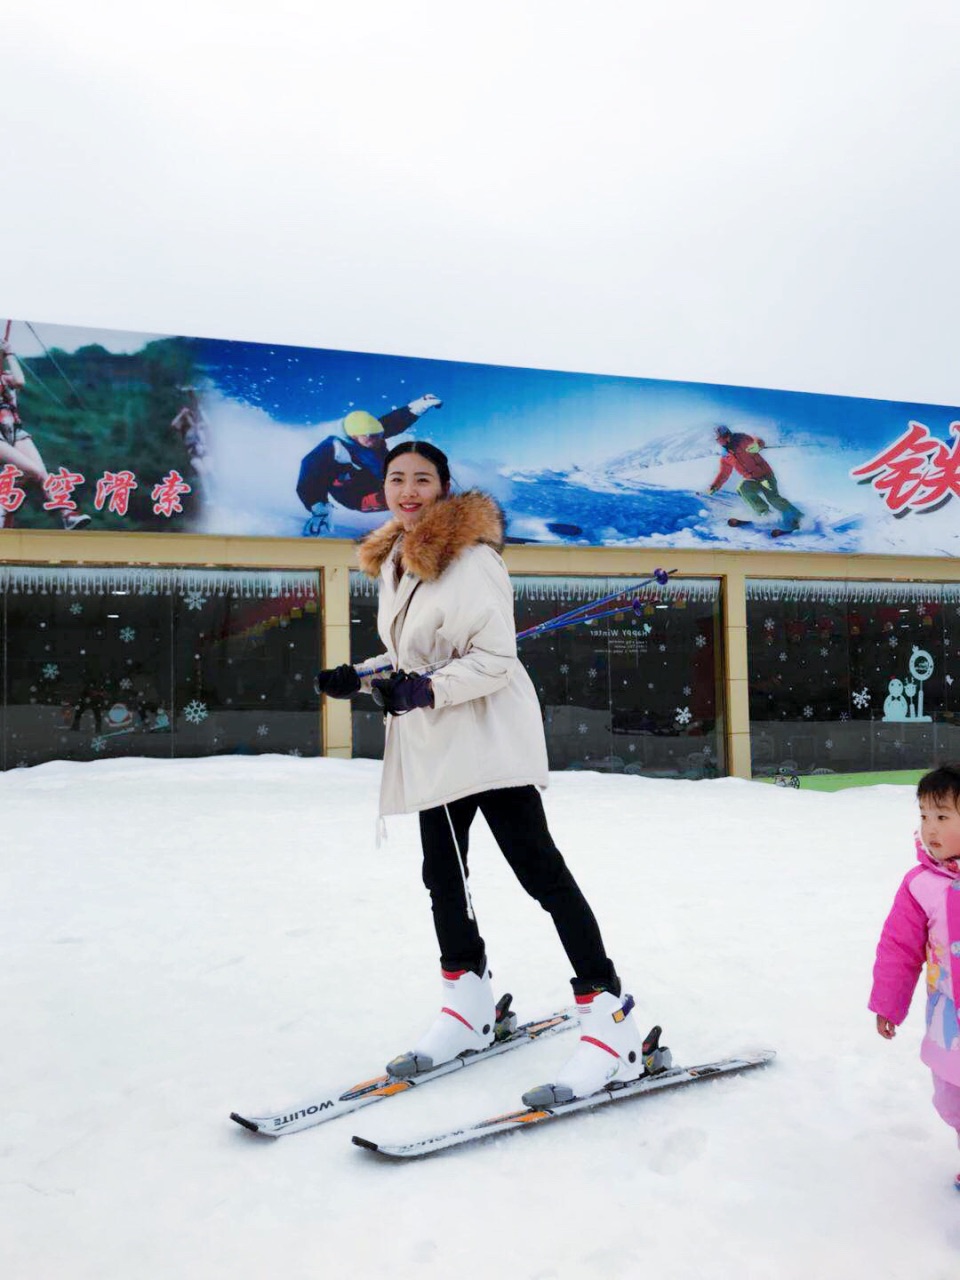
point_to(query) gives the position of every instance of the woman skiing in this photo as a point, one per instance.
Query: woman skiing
(469, 737)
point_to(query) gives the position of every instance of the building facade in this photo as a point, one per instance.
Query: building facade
(177, 556)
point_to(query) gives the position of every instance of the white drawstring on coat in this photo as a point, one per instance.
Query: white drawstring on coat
(463, 869)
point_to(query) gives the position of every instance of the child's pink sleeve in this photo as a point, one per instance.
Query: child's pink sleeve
(901, 952)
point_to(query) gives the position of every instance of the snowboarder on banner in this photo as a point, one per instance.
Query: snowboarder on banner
(758, 488)
(347, 471)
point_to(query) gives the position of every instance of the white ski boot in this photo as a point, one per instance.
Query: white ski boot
(466, 1021)
(610, 1047)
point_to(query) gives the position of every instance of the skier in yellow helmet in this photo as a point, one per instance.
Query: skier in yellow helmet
(346, 471)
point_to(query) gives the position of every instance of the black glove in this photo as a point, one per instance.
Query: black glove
(400, 693)
(340, 682)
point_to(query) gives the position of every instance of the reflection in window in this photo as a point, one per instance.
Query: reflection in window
(156, 662)
(850, 677)
(634, 692)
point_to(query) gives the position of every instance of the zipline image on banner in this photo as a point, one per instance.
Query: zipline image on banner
(114, 430)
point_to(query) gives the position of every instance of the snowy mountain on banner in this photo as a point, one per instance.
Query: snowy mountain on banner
(655, 494)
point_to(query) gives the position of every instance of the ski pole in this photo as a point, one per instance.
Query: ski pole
(594, 617)
(567, 619)
(659, 576)
(386, 667)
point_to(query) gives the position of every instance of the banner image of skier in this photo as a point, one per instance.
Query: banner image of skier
(758, 486)
(342, 478)
(251, 439)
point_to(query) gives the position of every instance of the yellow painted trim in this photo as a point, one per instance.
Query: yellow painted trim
(336, 721)
(332, 558)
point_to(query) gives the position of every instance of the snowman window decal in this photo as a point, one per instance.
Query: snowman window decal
(904, 700)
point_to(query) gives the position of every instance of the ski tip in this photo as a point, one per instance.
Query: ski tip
(246, 1124)
(365, 1143)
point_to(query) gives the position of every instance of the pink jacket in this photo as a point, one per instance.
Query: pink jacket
(923, 926)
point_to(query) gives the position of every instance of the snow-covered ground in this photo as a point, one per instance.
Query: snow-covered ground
(180, 939)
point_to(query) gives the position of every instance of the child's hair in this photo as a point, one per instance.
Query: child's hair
(425, 450)
(942, 785)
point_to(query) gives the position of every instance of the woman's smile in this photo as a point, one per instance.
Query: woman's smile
(411, 487)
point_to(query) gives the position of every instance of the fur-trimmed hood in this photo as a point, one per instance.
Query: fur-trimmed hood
(439, 536)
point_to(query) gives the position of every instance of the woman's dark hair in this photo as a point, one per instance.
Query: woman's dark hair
(941, 785)
(425, 450)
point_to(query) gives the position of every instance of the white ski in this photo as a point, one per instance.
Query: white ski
(323, 1107)
(529, 1117)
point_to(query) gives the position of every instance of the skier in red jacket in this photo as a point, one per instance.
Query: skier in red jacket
(758, 488)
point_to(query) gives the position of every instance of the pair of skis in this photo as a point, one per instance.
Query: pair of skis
(773, 533)
(325, 1107)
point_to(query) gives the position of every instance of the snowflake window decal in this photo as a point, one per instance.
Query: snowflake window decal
(194, 599)
(861, 698)
(262, 730)
(769, 624)
(76, 608)
(807, 711)
(50, 671)
(195, 712)
(682, 715)
(128, 635)
(700, 641)
(98, 743)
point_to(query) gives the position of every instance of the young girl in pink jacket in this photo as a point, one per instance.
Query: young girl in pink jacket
(924, 926)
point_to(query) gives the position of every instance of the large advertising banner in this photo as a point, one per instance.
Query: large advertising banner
(114, 430)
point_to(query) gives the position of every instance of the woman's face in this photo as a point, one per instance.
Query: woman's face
(411, 487)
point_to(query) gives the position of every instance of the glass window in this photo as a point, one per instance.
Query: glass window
(850, 677)
(636, 691)
(366, 720)
(156, 662)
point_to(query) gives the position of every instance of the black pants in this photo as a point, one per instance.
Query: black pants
(516, 818)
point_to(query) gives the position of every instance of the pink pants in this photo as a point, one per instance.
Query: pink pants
(946, 1100)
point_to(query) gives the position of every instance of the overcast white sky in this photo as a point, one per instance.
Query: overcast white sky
(740, 191)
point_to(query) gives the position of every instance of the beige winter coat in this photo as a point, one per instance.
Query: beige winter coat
(454, 604)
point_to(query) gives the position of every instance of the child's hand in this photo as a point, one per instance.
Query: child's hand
(885, 1027)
